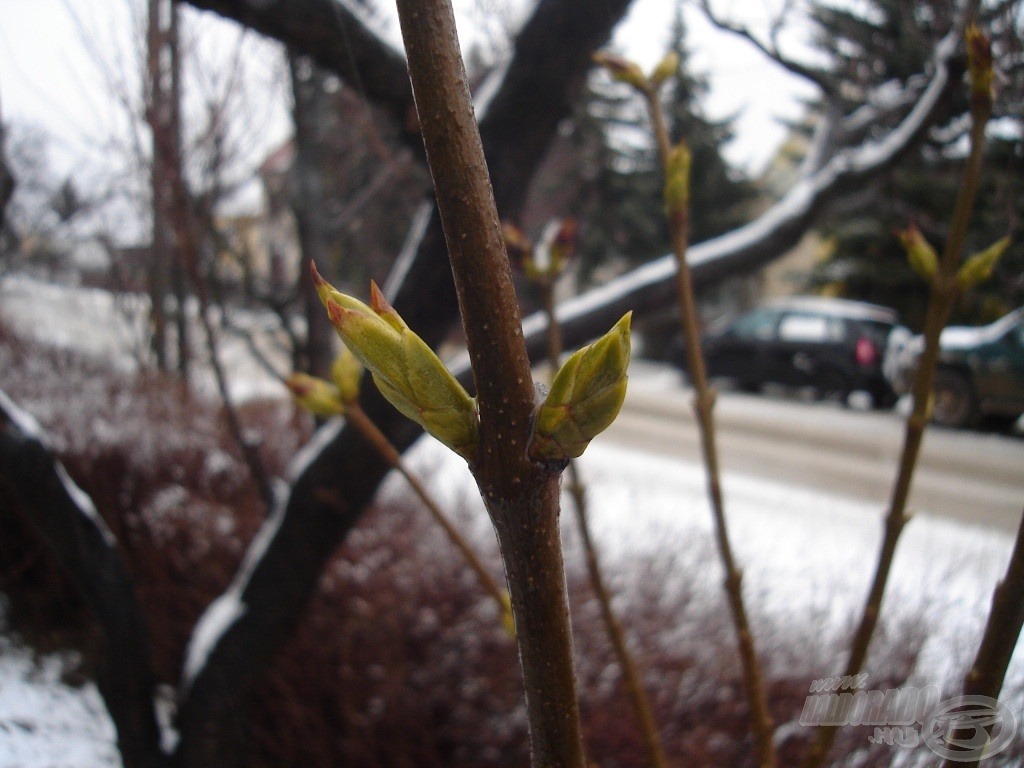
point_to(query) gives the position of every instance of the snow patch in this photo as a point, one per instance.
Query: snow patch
(44, 722)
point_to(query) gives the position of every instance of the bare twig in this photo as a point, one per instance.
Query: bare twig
(761, 722)
(816, 76)
(577, 490)
(944, 293)
(358, 418)
(1002, 631)
(520, 495)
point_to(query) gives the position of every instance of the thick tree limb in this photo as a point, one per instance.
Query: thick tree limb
(65, 519)
(754, 245)
(333, 34)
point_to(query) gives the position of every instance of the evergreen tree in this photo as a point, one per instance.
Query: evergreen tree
(625, 216)
(887, 40)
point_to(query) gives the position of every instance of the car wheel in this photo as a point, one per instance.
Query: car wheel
(1002, 423)
(955, 404)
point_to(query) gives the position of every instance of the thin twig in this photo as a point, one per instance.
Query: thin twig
(943, 296)
(633, 682)
(704, 401)
(357, 417)
(1002, 632)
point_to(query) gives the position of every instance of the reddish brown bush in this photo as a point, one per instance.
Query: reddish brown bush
(401, 660)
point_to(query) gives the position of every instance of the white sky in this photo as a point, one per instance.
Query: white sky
(49, 78)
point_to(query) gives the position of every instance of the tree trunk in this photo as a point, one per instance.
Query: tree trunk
(307, 199)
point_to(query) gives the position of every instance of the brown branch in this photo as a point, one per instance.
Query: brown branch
(613, 627)
(944, 292)
(358, 418)
(521, 497)
(1002, 631)
(704, 401)
(336, 477)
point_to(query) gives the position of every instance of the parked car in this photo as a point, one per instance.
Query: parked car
(834, 346)
(979, 379)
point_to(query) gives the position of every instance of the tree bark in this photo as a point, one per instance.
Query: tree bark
(307, 202)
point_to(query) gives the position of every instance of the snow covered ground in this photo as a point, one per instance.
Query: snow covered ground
(806, 555)
(45, 723)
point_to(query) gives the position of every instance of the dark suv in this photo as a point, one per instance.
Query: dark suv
(834, 346)
(979, 380)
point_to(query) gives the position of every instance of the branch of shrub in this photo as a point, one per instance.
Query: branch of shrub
(543, 263)
(948, 279)
(341, 398)
(676, 164)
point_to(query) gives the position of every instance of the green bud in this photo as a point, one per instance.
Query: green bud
(979, 63)
(585, 397)
(319, 397)
(980, 265)
(920, 254)
(667, 68)
(404, 368)
(677, 181)
(622, 70)
(347, 373)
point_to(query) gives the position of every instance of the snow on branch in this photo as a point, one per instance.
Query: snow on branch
(65, 519)
(650, 286)
(23, 440)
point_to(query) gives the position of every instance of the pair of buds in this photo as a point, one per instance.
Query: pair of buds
(585, 396)
(923, 259)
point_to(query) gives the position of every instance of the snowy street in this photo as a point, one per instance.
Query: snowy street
(970, 476)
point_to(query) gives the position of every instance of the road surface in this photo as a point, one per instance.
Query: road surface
(965, 475)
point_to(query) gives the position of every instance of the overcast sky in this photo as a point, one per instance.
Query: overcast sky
(48, 77)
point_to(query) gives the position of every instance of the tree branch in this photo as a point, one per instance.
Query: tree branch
(651, 286)
(331, 33)
(814, 75)
(336, 476)
(65, 519)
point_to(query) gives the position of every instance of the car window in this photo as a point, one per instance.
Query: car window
(759, 325)
(797, 326)
(876, 331)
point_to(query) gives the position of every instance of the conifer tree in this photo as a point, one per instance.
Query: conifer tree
(888, 40)
(626, 217)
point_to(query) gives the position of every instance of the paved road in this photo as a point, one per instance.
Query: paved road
(966, 475)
